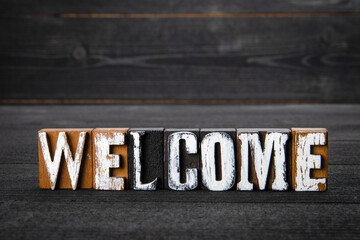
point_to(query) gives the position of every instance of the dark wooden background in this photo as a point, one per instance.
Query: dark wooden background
(183, 63)
(161, 51)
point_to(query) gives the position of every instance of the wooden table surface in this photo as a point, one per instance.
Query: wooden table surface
(31, 213)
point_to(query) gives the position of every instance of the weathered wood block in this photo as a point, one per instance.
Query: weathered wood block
(65, 158)
(181, 159)
(110, 158)
(309, 159)
(146, 158)
(218, 158)
(261, 159)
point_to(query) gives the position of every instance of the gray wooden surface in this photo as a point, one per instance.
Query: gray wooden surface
(30, 213)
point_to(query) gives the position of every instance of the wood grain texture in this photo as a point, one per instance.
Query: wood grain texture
(177, 6)
(180, 15)
(179, 220)
(85, 214)
(277, 59)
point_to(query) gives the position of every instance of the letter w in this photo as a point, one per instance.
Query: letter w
(53, 166)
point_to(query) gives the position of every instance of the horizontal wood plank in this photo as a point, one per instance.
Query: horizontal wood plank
(177, 6)
(178, 220)
(23, 122)
(237, 59)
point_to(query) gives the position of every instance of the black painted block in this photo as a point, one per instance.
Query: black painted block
(151, 158)
(186, 160)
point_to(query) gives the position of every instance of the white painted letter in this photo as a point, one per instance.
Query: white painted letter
(174, 161)
(137, 164)
(280, 183)
(105, 161)
(227, 161)
(73, 165)
(261, 159)
(244, 183)
(306, 161)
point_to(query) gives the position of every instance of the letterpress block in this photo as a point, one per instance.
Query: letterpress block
(65, 158)
(146, 158)
(218, 158)
(110, 158)
(261, 155)
(309, 159)
(181, 159)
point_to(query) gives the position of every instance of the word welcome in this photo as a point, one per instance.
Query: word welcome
(184, 159)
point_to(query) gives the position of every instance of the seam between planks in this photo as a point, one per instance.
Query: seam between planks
(11, 101)
(181, 15)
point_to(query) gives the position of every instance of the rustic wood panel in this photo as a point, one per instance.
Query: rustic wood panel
(177, 6)
(284, 59)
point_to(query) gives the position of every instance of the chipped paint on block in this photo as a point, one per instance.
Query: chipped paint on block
(73, 165)
(280, 183)
(261, 158)
(138, 185)
(244, 184)
(174, 161)
(305, 161)
(104, 161)
(227, 161)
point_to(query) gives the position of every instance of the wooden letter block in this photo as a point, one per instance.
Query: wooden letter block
(309, 159)
(146, 158)
(110, 158)
(218, 158)
(65, 158)
(262, 159)
(181, 159)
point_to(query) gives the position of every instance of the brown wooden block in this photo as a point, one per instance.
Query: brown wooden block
(218, 150)
(110, 158)
(309, 159)
(262, 156)
(64, 153)
(181, 159)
